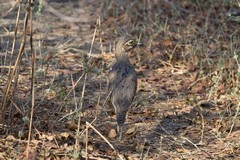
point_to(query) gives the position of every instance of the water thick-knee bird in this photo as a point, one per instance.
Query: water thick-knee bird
(122, 80)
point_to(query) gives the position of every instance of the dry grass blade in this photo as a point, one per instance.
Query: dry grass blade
(86, 143)
(30, 110)
(9, 82)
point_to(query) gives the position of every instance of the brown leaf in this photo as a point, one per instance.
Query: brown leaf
(65, 134)
(90, 147)
(167, 42)
(112, 134)
(131, 130)
(72, 126)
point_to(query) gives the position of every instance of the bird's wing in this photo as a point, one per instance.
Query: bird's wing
(123, 84)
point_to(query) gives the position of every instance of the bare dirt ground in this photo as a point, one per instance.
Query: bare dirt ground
(187, 104)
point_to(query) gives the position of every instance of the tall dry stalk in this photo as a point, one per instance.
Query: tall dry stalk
(12, 74)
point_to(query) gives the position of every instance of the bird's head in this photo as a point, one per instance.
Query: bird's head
(125, 44)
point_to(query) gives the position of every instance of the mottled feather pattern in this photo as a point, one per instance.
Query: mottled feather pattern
(122, 81)
(123, 86)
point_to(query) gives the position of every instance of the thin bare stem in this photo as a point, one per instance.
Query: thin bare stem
(32, 76)
(86, 148)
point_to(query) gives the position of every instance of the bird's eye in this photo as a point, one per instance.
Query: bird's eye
(130, 43)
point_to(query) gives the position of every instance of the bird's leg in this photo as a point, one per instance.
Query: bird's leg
(119, 130)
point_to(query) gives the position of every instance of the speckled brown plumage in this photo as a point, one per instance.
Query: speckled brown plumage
(122, 80)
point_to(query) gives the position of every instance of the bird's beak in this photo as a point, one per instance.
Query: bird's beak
(140, 44)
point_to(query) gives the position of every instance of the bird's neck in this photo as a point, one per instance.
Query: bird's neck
(122, 56)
